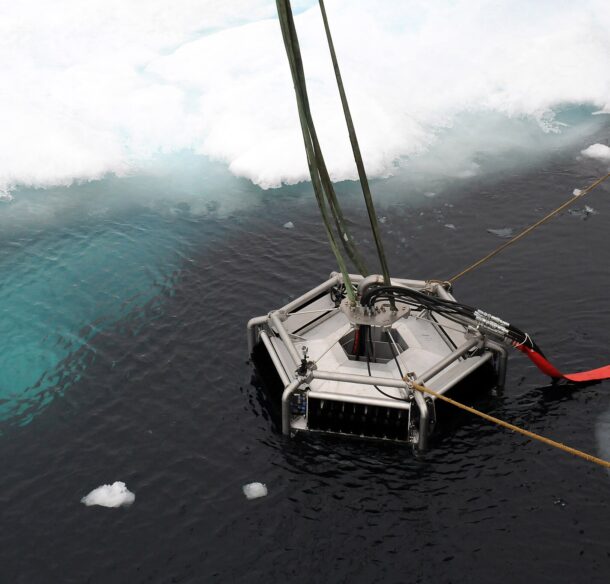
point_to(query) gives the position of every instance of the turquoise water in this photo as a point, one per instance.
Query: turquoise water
(74, 261)
(59, 289)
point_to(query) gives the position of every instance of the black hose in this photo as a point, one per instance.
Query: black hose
(452, 310)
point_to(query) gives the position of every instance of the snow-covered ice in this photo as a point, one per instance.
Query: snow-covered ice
(598, 151)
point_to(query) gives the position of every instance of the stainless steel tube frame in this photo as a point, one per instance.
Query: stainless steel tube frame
(275, 319)
(357, 399)
(502, 353)
(252, 329)
(274, 358)
(442, 293)
(446, 361)
(332, 281)
(362, 379)
(424, 420)
(286, 395)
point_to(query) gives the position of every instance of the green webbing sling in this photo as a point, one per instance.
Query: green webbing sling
(313, 157)
(357, 154)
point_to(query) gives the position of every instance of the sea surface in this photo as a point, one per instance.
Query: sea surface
(123, 357)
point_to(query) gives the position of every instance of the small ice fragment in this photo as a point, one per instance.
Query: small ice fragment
(114, 495)
(429, 194)
(598, 151)
(503, 232)
(576, 192)
(583, 213)
(255, 490)
(449, 225)
(382, 219)
(590, 210)
(289, 225)
(6, 197)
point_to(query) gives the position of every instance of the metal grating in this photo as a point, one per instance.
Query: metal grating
(387, 423)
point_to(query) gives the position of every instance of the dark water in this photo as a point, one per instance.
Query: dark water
(163, 399)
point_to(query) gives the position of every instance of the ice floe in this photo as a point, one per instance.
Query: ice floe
(115, 495)
(112, 91)
(255, 490)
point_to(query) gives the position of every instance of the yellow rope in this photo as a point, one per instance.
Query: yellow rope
(512, 427)
(529, 229)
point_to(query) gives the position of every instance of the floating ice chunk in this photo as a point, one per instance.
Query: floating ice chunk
(583, 213)
(289, 225)
(504, 232)
(429, 194)
(114, 495)
(5, 197)
(255, 490)
(598, 151)
(382, 219)
(449, 225)
(576, 192)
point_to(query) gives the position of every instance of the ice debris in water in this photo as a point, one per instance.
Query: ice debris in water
(114, 495)
(599, 151)
(504, 232)
(583, 213)
(430, 194)
(6, 197)
(576, 192)
(255, 490)
(449, 225)
(289, 225)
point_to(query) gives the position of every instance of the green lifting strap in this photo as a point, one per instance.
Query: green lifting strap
(357, 154)
(335, 207)
(313, 157)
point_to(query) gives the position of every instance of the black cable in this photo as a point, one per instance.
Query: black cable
(368, 365)
(449, 309)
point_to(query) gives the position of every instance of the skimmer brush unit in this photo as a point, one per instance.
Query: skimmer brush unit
(346, 368)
